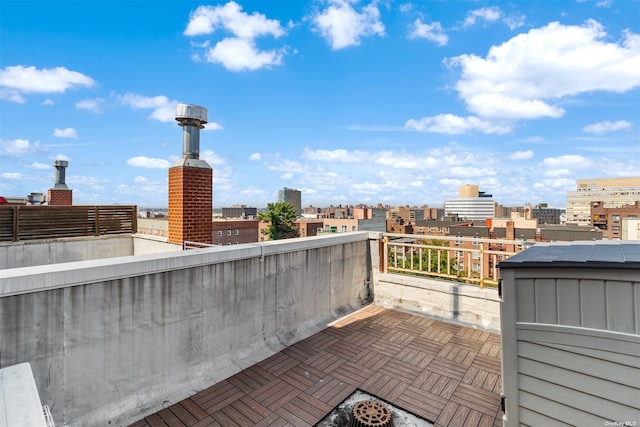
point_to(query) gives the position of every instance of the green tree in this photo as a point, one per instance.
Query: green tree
(280, 216)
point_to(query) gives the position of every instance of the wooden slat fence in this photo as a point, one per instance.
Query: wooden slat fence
(49, 222)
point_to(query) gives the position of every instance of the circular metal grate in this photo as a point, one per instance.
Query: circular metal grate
(371, 413)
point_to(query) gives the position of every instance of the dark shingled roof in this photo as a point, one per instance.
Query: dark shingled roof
(594, 254)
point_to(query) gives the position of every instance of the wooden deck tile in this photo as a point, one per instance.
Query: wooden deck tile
(325, 361)
(487, 363)
(331, 390)
(344, 349)
(251, 409)
(154, 420)
(301, 351)
(421, 403)
(194, 409)
(302, 376)
(181, 413)
(442, 372)
(371, 359)
(414, 357)
(447, 368)
(385, 387)
(386, 347)
(250, 379)
(401, 371)
(207, 422)
(476, 398)
(321, 341)
(352, 373)
(278, 363)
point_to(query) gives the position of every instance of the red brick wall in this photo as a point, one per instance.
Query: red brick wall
(233, 232)
(60, 197)
(190, 204)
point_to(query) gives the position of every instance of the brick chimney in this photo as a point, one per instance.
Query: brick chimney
(60, 194)
(190, 183)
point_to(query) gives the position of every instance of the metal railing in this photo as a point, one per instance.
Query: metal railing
(462, 259)
(195, 245)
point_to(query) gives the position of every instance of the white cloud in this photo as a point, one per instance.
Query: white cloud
(521, 78)
(432, 32)
(62, 157)
(18, 79)
(339, 155)
(488, 14)
(93, 182)
(65, 133)
(240, 52)
(148, 162)
(94, 105)
(567, 161)
(213, 126)
(255, 157)
(13, 175)
(42, 166)
(163, 108)
(18, 147)
(212, 158)
(514, 21)
(237, 54)
(206, 19)
(342, 26)
(555, 173)
(286, 176)
(521, 155)
(48, 102)
(456, 125)
(607, 126)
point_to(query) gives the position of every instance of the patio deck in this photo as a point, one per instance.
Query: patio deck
(445, 373)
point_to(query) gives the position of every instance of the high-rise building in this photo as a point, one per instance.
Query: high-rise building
(470, 204)
(610, 192)
(292, 196)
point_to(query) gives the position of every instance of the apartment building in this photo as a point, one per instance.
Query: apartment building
(610, 192)
(293, 196)
(609, 220)
(471, 204)
(234, 231)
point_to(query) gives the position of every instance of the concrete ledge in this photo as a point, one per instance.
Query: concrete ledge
(454, 302)
(17, 281)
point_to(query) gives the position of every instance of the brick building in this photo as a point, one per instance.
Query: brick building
(609, 220)
(234, 231)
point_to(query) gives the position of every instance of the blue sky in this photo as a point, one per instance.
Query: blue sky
(350, 102)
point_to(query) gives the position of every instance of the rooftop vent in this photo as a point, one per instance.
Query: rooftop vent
(60, 166)
(192, 118)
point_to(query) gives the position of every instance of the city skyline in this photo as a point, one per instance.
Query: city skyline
(397, 103)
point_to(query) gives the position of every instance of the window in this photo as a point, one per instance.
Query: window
(237, 232)
(615, 218)
(344, 228)
(353, 228)
(476, 267)
(476, 255)
(615, 229)
(220, 233)
(229, 233)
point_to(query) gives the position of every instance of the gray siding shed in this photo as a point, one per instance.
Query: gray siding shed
(570, 324)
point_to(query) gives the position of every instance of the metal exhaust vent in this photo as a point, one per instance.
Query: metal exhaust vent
(371, 413)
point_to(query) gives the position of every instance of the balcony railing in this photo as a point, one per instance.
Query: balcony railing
(470, 260)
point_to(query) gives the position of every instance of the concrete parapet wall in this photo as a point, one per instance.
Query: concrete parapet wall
(445, 300)
(52, 251)
(112, 340)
